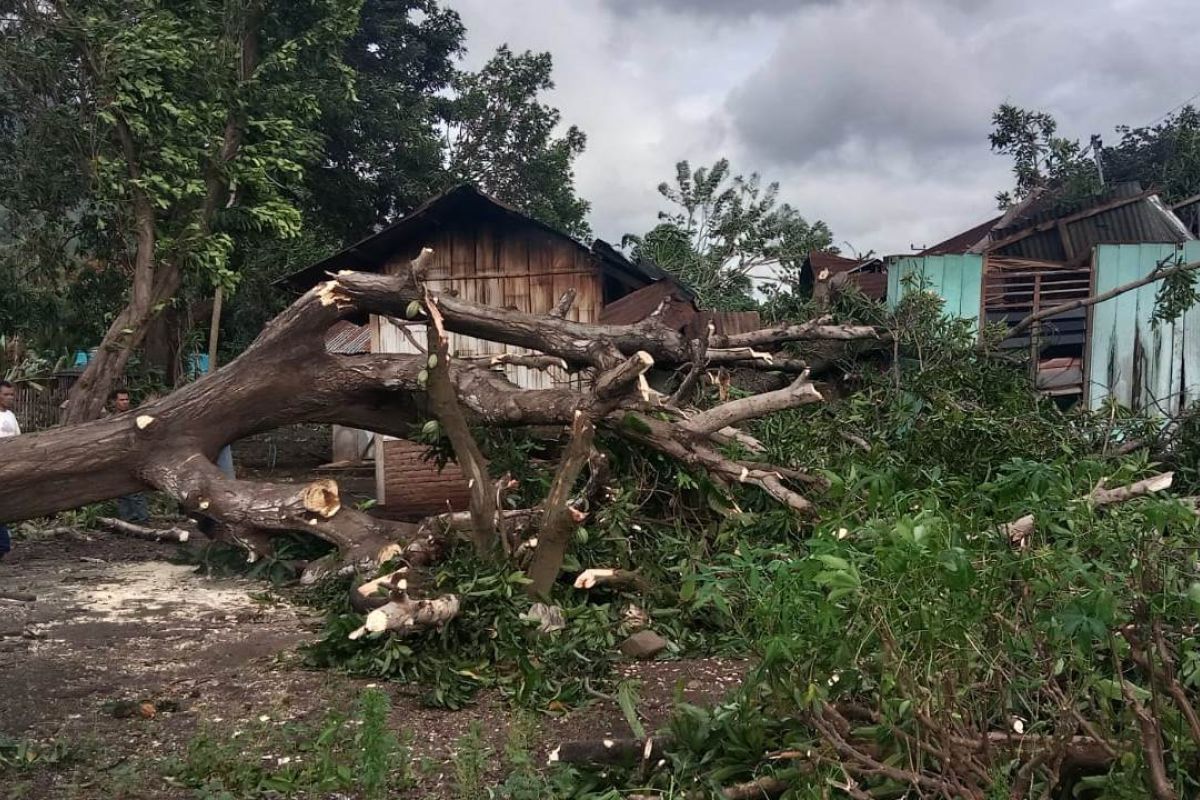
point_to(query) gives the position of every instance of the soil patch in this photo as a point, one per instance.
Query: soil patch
(116, 621)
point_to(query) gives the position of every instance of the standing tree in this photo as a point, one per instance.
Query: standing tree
(383, 149)
(1165, 155)
(727, 227)
(382, 153)
(173, 128)
(501, 137)
(1040, 157)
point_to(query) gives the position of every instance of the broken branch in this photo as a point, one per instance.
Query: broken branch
(144, 532)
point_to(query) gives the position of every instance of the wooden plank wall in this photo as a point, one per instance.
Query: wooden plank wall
(514, 267)
(524, 269)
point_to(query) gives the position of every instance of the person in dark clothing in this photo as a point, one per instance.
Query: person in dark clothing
(131, 507)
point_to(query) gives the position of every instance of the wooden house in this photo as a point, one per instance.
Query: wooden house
(490, 253)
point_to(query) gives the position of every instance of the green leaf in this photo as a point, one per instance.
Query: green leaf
(834, 562)
(1112, 690)
(687, 590)
(627, 699)
(414, 308)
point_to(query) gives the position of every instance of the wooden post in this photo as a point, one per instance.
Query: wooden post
(214, 331)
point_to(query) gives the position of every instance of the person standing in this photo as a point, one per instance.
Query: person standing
(8, 427)
(131, 507)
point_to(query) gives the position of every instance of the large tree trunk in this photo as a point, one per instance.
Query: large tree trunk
(87, 396)
(286, 377)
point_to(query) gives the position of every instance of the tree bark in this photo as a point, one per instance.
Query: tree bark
(287, 377)
(559, 519)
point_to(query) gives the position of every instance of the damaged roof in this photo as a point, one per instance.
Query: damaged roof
(961, 243)
(1045, 228)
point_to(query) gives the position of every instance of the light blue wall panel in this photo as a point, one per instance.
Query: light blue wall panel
(957, 279)
(1140, 365)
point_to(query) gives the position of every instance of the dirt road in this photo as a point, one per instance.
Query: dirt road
(116, 624)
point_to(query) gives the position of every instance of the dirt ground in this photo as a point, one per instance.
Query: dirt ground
(115, 620)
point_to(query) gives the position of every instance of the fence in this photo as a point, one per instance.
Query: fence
(39, 403)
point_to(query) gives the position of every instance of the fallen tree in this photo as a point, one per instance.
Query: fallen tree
(286, 376)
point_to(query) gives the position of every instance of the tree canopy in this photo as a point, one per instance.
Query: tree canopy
(723, 231)
(1164, 155)
(500, 136)
(152, 149)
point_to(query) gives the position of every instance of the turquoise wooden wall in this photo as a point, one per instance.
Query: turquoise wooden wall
(1156, 369)
(958, 279)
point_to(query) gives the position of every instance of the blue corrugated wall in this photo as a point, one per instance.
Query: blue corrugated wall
(1156, 369)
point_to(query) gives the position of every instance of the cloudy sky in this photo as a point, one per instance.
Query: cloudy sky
(873, 115)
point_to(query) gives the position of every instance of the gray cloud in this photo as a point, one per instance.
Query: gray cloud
(842, 76)
(926, 78)
(871, 114)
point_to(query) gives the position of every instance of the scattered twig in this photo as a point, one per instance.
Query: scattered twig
(143, 532)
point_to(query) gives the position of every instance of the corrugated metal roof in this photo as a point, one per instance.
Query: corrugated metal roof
(872, 284)
(1047, 228)
(1143, 220)
(962, 242)
(1046, 205)
(613, 258)
(728, 323)
(836, 264)
(678, 311)
(345, 338)
(636, 306)
(1123, 214)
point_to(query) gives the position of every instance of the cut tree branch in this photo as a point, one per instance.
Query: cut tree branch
(559, 520)
(143, 532)
(800, 392)
(444, 404)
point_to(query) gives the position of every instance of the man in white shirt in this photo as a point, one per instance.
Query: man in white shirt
(8, 427)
